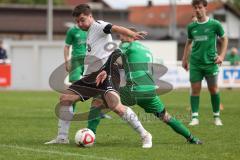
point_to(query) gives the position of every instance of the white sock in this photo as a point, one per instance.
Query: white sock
(64, 125)
(63, 129)
(132, 119)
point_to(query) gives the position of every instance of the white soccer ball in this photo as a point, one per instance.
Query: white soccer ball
(85, 137)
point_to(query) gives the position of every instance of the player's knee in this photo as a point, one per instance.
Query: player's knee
(112, 99)
(120, 109)
(97, 102)
(164, 116)
(213, 89)
(65, 100)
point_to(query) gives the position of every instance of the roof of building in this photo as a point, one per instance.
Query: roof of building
(160, 16)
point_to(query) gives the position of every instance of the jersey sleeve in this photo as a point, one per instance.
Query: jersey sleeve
(111, 60)
(219, 29)
(189, 34)
(104, 27)
(69, 38)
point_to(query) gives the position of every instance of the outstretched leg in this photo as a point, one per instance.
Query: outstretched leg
(113, 101)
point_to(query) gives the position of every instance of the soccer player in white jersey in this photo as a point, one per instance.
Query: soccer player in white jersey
(98, 57)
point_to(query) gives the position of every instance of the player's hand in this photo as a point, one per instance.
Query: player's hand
(185, 65)
(139, 35)
(67, 66)
(101, 77)
(219, 60)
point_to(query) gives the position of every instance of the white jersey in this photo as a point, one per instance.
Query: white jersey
(96, 55)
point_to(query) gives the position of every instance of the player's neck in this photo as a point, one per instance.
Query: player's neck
(203, 19)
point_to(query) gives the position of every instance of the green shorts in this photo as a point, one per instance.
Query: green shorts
(198, 72)
(148, 100)
(77, 69)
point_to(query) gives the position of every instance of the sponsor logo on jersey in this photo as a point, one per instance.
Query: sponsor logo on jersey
(195, 31)
(200, 38)
(206, 30)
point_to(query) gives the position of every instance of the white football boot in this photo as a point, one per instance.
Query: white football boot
(58, 140)
(217, 121)
(147, 140)
(194, 122)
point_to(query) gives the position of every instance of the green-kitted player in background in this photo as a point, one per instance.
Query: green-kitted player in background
(204, 58)
(140, 88)
(233, 57)
(74, 63)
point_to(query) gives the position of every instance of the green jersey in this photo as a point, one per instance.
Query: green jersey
(136, 59)
(77, 38)
(233, 59)
(204, 37)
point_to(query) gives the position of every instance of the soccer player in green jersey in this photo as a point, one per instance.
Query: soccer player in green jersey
(75, 38)
(233, 57)
(140, 87)
(204, 58)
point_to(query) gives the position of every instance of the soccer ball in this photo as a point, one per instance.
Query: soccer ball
(85, 137)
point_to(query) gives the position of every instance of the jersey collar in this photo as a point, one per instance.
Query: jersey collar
(207, 19)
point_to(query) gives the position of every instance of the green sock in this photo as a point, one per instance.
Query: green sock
(94, 118)
(194, 105)
(215, 99)
(74, 107)
(179, 127)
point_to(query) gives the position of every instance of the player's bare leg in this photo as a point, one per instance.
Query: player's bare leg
(128, 115)
(65, 116)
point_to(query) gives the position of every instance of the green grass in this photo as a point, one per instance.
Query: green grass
(27, 120)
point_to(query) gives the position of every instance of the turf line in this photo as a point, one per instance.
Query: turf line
(53, 152)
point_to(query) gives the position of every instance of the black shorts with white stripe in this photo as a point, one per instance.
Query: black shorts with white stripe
(86, 86)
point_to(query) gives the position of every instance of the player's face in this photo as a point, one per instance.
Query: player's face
(125, 38)
(122, 37)
(84, 21)
(199, 10)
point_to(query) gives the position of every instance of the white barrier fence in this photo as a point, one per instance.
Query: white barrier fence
(228, 77)
(33, 62)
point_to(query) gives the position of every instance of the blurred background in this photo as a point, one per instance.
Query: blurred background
(33, 32)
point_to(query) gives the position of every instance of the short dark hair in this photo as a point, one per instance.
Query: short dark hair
(197, 2)
(81, 8)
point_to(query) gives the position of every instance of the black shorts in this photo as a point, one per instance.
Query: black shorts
(86, 86)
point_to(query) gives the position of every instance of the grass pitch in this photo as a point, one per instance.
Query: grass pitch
(27, 120)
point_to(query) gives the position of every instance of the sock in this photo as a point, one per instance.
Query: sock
(132, 119)
(215, 99)
(74, 107)
(194, 106)
(179, 127)
(63, 129)
(64, 125)
(94, 118)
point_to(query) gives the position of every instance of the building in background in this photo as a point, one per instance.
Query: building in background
(27, 22)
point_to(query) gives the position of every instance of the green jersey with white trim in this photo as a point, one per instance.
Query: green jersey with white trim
(136, 59)
(77, 38)
(204, 37)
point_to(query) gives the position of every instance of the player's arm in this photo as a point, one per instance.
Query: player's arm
(186, 53)
(223, 50)
(128, 32)
(223, 42)
(106, 70)
(67, 57)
